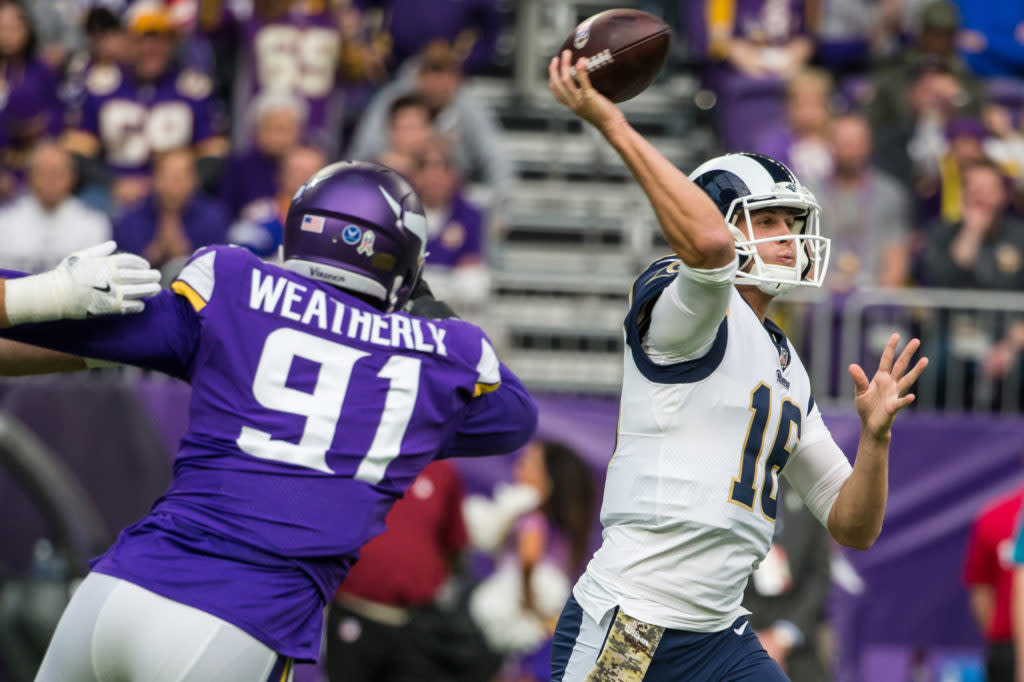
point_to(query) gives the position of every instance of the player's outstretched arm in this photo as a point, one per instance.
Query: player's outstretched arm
(93, 281)
(856, 517)
(496, 423)
(21, 359)
(691, 222)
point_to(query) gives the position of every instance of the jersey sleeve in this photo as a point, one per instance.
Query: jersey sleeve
(686, 318)
(818, 468)
(499, 421)
(644, 303)
(163, 337)
(197, 281)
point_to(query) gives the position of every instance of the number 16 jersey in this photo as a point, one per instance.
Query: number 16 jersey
(691, 491)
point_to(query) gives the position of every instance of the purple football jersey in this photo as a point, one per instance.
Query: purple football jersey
(311, 412)
(299, 54)
(133, 120)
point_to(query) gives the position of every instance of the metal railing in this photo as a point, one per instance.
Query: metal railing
(958, 330)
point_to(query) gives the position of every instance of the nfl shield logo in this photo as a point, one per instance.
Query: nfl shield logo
(313, 223)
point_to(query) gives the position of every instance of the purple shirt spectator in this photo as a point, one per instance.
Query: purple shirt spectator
(204, 219)
(131, 120)
(296, 53)
(459, 238)
(248, 177)
(30, 110)
(756, 45)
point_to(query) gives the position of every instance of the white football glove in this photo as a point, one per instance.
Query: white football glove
(93, 281)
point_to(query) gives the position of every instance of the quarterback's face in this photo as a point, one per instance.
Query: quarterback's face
(774, 222)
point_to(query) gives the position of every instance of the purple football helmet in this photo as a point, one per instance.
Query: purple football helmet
(359, 226)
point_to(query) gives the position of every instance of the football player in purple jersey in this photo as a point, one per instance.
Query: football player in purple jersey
(315, 402)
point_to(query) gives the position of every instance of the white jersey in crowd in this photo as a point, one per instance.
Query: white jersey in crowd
(715, 406)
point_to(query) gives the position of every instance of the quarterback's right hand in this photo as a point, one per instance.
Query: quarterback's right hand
(571, 86)
(93, 281)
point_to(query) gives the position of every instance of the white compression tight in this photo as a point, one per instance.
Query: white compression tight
(116, 631)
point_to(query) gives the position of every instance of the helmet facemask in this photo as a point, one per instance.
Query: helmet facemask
(811, 248)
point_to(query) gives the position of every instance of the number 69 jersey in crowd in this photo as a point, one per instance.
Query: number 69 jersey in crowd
(311, 412)
(691, 490)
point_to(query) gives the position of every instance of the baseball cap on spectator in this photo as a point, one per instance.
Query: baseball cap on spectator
(150, 17)
(939, 15)
(966, 127)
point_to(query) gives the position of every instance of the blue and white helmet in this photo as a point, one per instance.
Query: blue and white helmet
(748, 182)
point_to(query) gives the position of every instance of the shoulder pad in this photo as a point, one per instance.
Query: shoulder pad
(102, 79)
(194, 84)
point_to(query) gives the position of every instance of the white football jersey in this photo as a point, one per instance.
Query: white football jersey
(691, 492)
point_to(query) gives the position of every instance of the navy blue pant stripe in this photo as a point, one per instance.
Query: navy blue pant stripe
(564, 639)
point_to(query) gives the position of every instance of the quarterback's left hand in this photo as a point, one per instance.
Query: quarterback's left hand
(93, 281)
(879, 400)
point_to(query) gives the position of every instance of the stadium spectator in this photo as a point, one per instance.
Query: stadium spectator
(261, 226)
(988, 574)
(374, 624)
(175, 219)
(456, 264)
(934, 45)
(38, 228)
(1005, 142)
(801, 141)
(939, 183)
(252, 176)
(788, 591)
(985, 249)
(541, 548)
(58, 30)
(30, 109)
(472, 26)
(850, 35)
(132, 112)
(106, 44)
(756, 46)
(910, 151)
(869, 213)
(409, 129)
(283, 47)
(458, 115)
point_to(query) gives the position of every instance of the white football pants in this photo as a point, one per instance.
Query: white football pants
(116, 631)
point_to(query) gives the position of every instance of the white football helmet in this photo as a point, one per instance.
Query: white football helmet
(749, 182)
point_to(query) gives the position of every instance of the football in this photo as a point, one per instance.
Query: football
(625, 50)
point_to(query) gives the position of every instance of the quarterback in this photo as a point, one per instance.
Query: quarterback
(715, 406)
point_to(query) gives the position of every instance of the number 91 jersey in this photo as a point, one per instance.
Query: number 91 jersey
(691, 491)
(311, 413)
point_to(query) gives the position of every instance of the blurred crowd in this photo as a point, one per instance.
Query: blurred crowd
(906, 119)
(173, 124)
